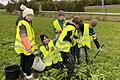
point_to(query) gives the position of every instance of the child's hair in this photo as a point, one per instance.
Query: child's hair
(93, 22)
(42, 37)
(78, 20)
(61, 13)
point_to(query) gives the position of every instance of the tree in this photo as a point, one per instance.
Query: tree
(23, 1)
(2, 6)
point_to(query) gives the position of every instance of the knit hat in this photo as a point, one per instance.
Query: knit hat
(61, 13)
(22, 7)
(28, 11)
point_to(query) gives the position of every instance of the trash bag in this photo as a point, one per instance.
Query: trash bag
(38, 64)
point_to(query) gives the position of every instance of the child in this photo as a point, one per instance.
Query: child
(59, 23)
(25, 43)
(51, 56)
(92, 31)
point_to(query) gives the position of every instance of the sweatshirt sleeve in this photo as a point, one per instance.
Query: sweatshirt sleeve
(24, 38)
(96, 43)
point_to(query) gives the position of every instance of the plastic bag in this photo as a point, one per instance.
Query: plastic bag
(38, 64)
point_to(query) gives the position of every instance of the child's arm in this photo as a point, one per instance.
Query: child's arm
(24, 38)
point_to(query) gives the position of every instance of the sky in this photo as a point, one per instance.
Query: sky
(4, 2)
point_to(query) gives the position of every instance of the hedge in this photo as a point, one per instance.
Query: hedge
(99, 2)
(76, 6)
(16, 6)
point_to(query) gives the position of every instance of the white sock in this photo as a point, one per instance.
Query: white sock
(28, 77)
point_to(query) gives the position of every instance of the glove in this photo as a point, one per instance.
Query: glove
(100, 49)
(58, 31)
(37, 53)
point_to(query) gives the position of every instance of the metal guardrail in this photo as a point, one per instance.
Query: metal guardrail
(86, 13)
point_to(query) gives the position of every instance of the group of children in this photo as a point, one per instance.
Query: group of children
(71, 36)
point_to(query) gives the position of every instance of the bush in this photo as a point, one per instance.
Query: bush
(48, 6)
(33, 5)
(9, 7)
(99, 2)
(63, 5)
(2, 6)
(16, 6)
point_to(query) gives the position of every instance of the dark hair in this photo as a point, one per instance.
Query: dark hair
(78, 20)
(42, 37)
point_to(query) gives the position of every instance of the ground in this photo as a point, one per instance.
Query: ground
(106, 66)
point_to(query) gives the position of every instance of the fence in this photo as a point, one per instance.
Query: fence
(85, 15)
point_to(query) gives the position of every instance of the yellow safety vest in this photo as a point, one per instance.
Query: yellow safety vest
(52, 55)
(65, 45)
(75, 40)
(19, 47)
(85, 39)
(65, 22)
(57, 25)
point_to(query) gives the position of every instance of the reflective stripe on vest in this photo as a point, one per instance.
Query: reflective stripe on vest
(62, 43)
(62, 49)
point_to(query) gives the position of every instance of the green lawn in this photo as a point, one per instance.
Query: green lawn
(108, 10)
(106, 66)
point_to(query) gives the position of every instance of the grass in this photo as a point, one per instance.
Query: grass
(108, 10)
(105, 67)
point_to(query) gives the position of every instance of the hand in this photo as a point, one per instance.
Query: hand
(59, 31)
(29, 50)
(37, 53)
(75, 37)
(51, 49)
(100, 49)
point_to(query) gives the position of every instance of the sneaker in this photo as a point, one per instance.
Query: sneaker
(32, 78)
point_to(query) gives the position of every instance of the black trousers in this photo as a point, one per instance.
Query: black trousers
(86, 53)
(26, 63)
(68, 61)
(76, 54)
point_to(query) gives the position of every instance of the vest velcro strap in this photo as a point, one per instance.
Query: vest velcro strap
(86, 40)
(48, 57)
(47, 61)
(80, 42)
(18, 46)
(61, 49)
